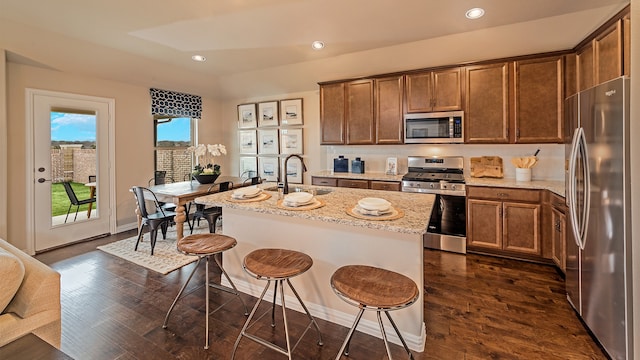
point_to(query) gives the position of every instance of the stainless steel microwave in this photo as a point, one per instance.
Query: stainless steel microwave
(434, 128)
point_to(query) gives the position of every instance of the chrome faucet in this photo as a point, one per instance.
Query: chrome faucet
(286, 183)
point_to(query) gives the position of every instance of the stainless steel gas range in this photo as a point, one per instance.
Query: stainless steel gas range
(444, 177)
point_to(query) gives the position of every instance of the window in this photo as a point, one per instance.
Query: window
(172, 138)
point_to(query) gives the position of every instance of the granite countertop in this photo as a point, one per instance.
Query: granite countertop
(379, 176)
(555, 186)
(416, 207)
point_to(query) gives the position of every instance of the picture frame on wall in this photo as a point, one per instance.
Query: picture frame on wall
(268, 168)
(247, 141)
(291, 112)
(291, 141)
(268, 142)
(248, 167)
(293, 172)
(246, 116)
(268, 113)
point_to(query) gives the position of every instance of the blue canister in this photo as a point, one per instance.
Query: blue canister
(341, 164)
(357, 166)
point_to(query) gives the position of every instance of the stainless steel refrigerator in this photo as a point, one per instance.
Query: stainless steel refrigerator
(598, 271)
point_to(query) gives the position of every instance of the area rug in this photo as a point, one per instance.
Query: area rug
(166, 257)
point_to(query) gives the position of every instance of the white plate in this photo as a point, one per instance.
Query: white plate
(298, 198)
(247, 192)
(297, 204)
(371, 203)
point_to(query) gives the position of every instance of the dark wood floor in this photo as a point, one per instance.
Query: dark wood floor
(476, 307)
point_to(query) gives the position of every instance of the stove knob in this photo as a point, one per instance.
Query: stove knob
(453, 186)
(432, 185)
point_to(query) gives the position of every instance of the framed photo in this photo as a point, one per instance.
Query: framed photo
(268, 113)
(291, 141)
(293, 172)
(269, 168)
(248, 142)
(291, 112)
(392, 166)
(248, 167)
(246, 116)
(268, 143)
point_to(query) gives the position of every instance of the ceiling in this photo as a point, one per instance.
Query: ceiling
(252, 45)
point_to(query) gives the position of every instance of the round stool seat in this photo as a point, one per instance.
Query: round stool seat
(203, 244)
(374, 287)
(277, 263)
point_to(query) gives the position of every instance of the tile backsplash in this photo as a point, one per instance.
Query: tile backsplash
(550, 164)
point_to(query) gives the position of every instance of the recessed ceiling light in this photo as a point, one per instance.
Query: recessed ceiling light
(474, 13)
(198, 58)
(317, 45)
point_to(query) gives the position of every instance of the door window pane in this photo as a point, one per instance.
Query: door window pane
(73, 160)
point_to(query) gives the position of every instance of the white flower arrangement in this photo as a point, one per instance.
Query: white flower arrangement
(204, 158)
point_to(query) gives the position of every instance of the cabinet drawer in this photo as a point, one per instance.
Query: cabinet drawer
(385, 185)
(506, 194)
(359, 184)
(324, 181)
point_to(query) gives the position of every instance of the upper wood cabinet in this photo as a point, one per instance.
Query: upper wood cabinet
(538, 100)
(608, 48)
(487, 103)
(362, 112)
(585, 68)
(389, 106)
(604, 55)
(359, 112)
(570, 76)
(626, 49)
(438, 90)
(332, 115)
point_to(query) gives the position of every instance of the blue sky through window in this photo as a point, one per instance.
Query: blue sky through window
(72, 127)
(178, 129)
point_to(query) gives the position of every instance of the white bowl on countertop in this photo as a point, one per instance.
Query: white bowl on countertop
(298, 198)
(371, 203)
(246, 192)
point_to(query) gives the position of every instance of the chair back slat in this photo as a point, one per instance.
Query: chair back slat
(138, 192)
(70, 193)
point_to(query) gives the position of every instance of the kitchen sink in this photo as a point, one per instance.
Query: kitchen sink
(320, 191)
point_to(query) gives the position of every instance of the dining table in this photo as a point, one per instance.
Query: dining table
(182, 193)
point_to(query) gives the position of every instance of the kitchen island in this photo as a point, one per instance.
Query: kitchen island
(333, 238)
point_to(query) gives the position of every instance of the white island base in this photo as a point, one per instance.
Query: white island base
(330, 245)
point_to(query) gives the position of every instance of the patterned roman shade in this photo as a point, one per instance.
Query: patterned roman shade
(175, 104)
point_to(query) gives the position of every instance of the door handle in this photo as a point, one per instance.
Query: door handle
(41, 180)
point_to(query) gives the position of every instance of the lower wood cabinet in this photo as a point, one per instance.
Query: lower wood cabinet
(356, 183)
(505, 221)
(556, 230)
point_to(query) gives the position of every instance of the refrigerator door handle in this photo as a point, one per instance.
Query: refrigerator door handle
(586, 206)
(571, 194)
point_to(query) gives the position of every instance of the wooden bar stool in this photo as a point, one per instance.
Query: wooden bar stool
(205, 246)
(372, 288)
(277, 265)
